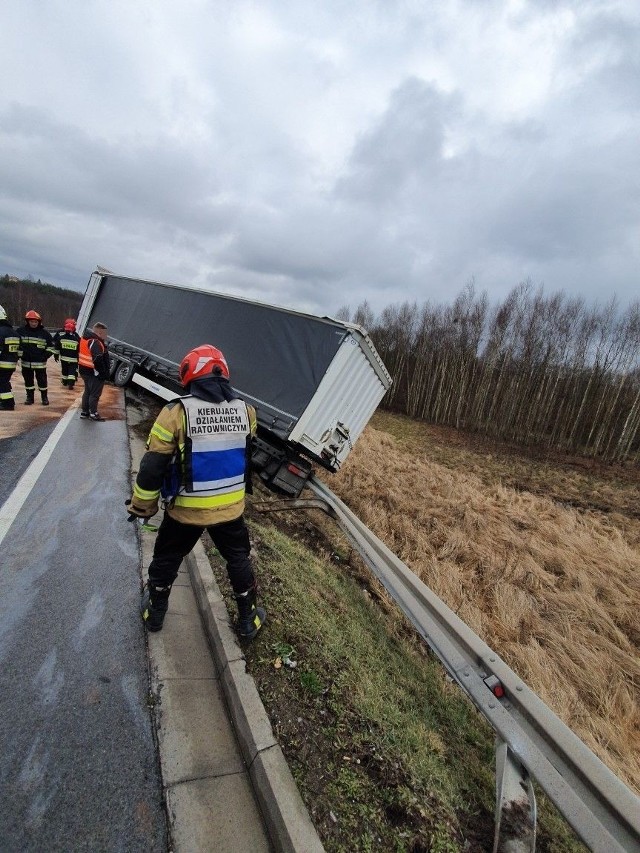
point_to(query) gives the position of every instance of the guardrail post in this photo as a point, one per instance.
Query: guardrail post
(515, 804)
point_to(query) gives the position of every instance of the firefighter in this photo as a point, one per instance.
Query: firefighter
(197, 458)
(37, 347)
(9, 354)
(93, 358)
(67, 343)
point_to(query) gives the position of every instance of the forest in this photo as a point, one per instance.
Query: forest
(535, 369)
(54, 304)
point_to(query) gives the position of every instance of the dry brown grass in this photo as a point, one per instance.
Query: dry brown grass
(553, 589)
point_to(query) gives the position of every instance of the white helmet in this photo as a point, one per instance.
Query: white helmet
(3, 313)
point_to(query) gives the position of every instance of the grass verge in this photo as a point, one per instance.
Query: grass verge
(387, 753)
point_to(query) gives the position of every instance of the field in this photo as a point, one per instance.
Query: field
(540, 556)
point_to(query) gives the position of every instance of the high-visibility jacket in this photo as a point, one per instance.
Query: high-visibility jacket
(67, 344)
(93, 355)
(10, 350)
(37, 346)
(212, 462)
(206, 449)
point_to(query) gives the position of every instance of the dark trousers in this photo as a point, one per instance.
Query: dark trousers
(69, 371)
(93, 386)
(175, 540)
(40, 375)
(7, 400)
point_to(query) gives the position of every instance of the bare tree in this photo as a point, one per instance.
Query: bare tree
(536, 368)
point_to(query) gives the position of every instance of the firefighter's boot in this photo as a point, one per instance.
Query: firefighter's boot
(45, 398)
(30, 394)
(251, 618)
(154, 605)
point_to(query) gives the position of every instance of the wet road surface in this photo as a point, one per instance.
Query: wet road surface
(78, 767)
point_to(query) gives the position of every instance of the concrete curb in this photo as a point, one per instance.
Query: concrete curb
(286, 817)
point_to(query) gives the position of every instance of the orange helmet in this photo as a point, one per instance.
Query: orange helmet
(202, 361)
(32, 315)
(69, 325)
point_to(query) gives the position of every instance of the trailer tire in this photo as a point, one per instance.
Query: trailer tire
(113, 364)
(123, 373)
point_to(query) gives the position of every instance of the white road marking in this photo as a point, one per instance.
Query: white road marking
(13, 504)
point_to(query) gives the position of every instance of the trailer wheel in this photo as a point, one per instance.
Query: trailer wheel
(113, 364)
(123, 373)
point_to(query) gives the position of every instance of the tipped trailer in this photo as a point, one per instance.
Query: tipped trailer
(314, 381)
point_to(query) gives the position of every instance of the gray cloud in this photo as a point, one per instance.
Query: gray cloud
(316, 157)
(402, 149)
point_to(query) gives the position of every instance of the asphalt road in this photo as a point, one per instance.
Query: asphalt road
(17, 453)
(79, 768)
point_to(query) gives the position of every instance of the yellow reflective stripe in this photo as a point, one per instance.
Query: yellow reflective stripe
(210, 500)
(144, 494)
(161, 433)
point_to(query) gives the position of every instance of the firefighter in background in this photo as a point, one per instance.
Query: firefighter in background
(9, 355)
(198, 455)
(37, 347)
(67, 343)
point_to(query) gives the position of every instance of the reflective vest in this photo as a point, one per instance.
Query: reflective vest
(68, 344)
(213, 460)
(37, 346)
(9, 348)
(85, 359)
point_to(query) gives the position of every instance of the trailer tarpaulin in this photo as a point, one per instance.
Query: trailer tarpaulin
(274, 355)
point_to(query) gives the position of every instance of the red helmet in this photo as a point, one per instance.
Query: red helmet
(32, 315)
(69, 325)
(202, 361)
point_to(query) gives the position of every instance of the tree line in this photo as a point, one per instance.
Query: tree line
(54, 304)
(540, 369)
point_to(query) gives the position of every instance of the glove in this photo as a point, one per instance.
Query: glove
(138, 511)
(56, 357)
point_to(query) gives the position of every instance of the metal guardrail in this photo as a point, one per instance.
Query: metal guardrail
(531, 741)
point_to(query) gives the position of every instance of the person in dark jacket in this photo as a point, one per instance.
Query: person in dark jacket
(198, 459)
(67, 344)
(37, 347)
(9, 355)
(93, 360)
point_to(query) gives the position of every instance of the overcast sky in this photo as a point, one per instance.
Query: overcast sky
(316, 153)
